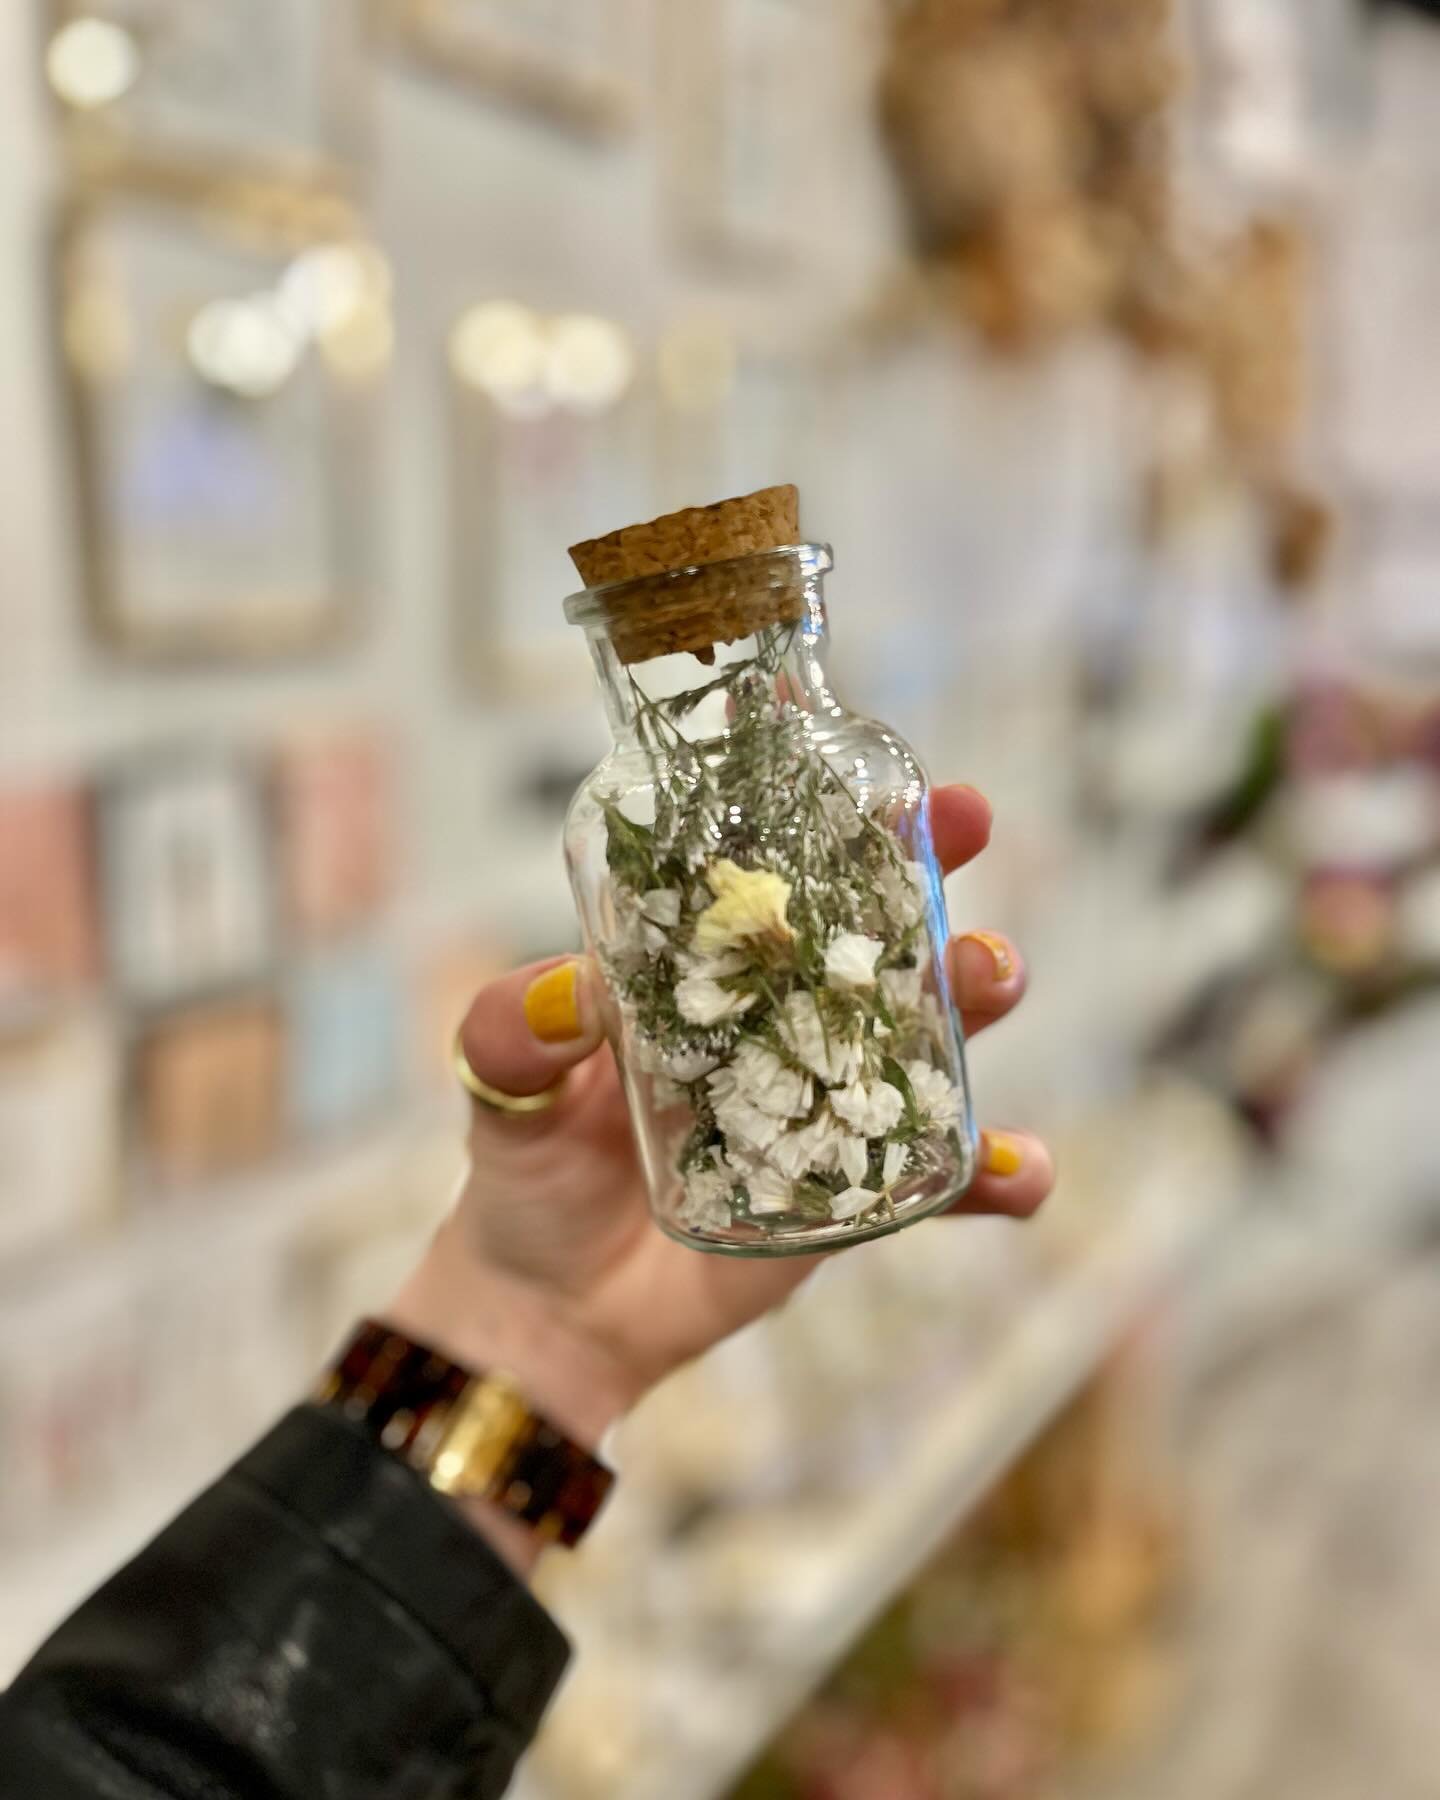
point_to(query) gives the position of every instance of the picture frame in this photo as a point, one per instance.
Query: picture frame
(209, 1089)
(179, 98)
(571, 61)
(749, 88)
(333, 805)
(49, 933)
(186, 876)
(527, 480)
(217, 372)
(344, 1031)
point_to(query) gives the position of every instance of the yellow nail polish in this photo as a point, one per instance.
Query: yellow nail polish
(552, 1004)
(1003, 1155)
(999, 952)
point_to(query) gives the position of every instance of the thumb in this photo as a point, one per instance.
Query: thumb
(525, 1030)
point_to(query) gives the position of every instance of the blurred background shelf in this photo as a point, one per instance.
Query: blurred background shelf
(757, 1608)
(1117, 394)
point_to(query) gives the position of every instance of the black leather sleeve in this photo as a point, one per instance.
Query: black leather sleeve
(318, 1625)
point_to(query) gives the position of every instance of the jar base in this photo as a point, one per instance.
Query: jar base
(821, 1240)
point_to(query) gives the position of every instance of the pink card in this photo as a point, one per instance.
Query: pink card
(336, 838)
(48, 938)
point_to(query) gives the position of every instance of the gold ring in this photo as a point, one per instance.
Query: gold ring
(494, 1098)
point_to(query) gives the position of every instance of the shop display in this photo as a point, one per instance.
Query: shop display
(48, 936)
(208, 1091)
(342, 1048)
(1395, 535)
(335, 824)
(216, 371)
(1031, 154)
(1030, 1644)
(59, 1131)
(186, 872)
(1036, 152)
(1339, 797)
(248, 889)
(179, 96)
(754, 869)
(573, 60)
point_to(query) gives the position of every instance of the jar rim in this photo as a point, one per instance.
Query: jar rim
(595, 605)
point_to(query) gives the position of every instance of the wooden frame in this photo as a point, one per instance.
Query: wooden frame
(166, 465)
(211, 78)
(587, 86)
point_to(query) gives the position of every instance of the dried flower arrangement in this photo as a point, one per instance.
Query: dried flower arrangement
(1031, 140)
(770, 956)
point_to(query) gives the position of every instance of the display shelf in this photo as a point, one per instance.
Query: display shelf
(692, 1715)
(310, 1186)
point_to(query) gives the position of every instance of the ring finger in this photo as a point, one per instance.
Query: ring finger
(987, 978)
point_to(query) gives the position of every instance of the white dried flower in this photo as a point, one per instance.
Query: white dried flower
(850, 960)
(871, 1108)
(661, 906)
(905, 891)
(793, 1153)
(935, 1094)
(714, 968)
(636, 936)
(705, 1205)
(665, 1093)
(767, 1082)
(901, 988)
(835, 1054)
(744, 1126)
(852, 1202)
(769, 1191)
(676, 1062)
(803, 1151)
(853, 1156)
(843, 814)
(896, 1157)
(687, 1065)
(702, 1001)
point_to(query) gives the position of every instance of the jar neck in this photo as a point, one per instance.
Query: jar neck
(692, 691)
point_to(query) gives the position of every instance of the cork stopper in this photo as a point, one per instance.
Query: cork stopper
(683, 582)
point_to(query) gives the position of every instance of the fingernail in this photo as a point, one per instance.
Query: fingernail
(1003, 1154)
(552, 1004)
(999, 952)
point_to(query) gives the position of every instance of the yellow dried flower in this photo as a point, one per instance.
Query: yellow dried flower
(749, 904)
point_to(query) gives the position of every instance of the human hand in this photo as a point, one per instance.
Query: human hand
(551, 1266)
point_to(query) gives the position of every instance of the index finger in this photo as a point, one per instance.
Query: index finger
(959, 824)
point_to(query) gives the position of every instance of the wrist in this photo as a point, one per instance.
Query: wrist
(489, 1322)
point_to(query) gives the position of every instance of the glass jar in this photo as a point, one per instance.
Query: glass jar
(755, 875)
